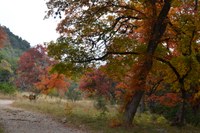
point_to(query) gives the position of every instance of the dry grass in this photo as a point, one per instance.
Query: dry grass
(3, 96)
(1, 129)
(82, 114)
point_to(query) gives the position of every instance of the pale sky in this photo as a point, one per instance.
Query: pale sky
(25, 19)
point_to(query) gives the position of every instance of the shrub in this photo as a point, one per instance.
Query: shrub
(73, 93)
(100, 104)
(53, 93)
(170, 113)
(7, 88)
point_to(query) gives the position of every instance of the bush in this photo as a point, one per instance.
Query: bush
(53, 93)
(170, 113)
(73, 93)
(100, 104)
(192, 117)
(7, 88)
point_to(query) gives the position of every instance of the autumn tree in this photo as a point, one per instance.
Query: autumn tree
(32, 64)
(34, 72)
(182, 56)
(99, 30)
(178, 56)
(50, 81)
(97, 83)
(94, 35)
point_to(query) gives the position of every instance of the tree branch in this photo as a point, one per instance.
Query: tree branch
(130, 8)
(196, 5)
(125, 53)
(117, 20)
(105, 56)
(155, 86)
(176, 29)
(170, 65)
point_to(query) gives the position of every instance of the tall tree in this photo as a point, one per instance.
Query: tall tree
(91, 27)
(183, 49)
(34, 72)
(32, 64)
(97, 30)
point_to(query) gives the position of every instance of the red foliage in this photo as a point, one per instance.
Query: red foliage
(97, 82)
(32, 64)
(33, 71)
(168, 99)
(2, 37)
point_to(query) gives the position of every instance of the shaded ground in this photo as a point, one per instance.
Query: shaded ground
(16, 120)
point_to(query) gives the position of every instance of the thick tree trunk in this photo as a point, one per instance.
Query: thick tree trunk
(180, 118)
(181, 121)
(131, 107)
(182, 109)
(158, 30)
(139, 89)
(196, 5)
(142, 105)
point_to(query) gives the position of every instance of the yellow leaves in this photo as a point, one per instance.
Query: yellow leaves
(123, 44)
(4, 65)
(197, 95)
(182, 64)
(110, 18)
(176, 3)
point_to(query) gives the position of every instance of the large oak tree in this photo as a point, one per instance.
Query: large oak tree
(93, 30)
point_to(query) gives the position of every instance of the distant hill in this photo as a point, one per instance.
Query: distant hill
(13, 47)
(15, 41)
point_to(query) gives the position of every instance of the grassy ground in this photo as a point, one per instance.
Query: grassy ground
(3, 96)
(82, 114)
(1, 129)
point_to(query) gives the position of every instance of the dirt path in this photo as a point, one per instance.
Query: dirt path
(17, 120)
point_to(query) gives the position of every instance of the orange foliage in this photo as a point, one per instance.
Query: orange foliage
(52, 81)
(115, 123)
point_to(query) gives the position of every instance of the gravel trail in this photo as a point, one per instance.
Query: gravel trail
(17, 120)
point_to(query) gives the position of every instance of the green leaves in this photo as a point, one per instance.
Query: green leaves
(68, 69)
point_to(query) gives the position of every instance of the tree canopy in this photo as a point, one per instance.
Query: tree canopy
(164, 31)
